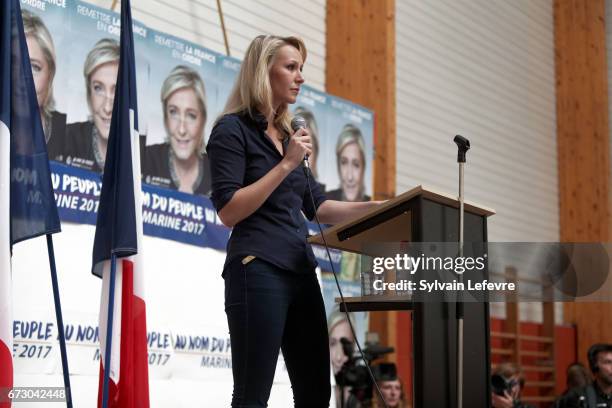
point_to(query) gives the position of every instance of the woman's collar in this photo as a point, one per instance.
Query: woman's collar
(258, 118)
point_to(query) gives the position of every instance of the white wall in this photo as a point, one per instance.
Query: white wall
(483, 69)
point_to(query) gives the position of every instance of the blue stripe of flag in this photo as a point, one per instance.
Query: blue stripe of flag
(116, 222)
(33, 209)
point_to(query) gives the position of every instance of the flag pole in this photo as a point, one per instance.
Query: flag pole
(60, 320)
(109, 330)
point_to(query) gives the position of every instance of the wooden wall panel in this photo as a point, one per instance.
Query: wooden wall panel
(360, 66)
(583, 146)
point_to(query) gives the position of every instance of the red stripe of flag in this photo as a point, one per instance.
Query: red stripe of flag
(6, 372)
(132, 390)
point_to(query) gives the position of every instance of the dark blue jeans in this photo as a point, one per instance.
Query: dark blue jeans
(269, 309)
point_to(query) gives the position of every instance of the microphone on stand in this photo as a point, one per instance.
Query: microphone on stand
(298, 123)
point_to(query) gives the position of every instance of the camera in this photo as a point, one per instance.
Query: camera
(354, 372)
(500, 385)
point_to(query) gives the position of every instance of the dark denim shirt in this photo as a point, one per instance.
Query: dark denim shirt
(241, 153)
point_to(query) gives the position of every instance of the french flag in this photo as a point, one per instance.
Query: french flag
(27, 205)
(119, 238)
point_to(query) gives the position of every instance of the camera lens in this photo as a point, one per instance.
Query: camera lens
(499, 384)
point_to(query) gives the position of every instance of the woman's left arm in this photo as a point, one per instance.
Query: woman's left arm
(335, 212)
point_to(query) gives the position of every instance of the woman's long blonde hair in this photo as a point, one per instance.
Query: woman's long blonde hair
(104, 52)
(34, 26)
(252, 91)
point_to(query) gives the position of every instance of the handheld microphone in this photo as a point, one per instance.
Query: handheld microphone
(298, 123)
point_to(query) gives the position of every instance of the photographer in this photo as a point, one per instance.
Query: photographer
(390, 386)
(353, 381)
(507, 383)
(597, 394)
(577, 377)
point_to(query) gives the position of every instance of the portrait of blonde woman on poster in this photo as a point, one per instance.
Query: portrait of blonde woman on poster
(86, 142)
(351, 164)
(338, 328)
(313, 129)
(42, 58)
(340, 337)
(180, 163)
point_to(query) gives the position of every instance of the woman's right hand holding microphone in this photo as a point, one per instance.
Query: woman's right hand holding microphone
(299, 146)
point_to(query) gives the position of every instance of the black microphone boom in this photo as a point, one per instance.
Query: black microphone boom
(463, 146)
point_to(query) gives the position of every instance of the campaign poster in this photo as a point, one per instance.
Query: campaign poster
(181, 102)
(351, 130)
(169, 53)
(341, 163)
(313, 106)
(47, 30)
(91, 82)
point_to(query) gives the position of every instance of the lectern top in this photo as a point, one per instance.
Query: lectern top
(448, 199)
(389, 221)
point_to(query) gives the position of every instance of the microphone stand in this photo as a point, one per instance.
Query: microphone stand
(463, 145)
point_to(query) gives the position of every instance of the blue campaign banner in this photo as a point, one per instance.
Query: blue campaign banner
(182, 217)
(77, 193)
(169, 214)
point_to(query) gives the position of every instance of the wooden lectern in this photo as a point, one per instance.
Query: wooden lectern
(422, 215)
